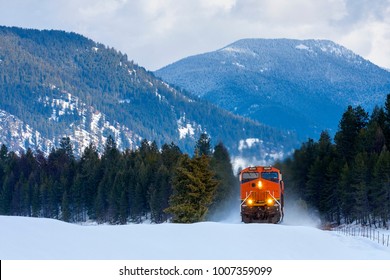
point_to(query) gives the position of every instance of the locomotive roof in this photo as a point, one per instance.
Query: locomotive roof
(260, 169)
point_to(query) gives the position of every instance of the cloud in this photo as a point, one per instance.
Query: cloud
(155, 33)
(366, 29)
(296, 12)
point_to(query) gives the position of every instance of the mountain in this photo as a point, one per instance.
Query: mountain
(301, 85)
(55, 84)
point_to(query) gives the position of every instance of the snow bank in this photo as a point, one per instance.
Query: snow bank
(33, 238)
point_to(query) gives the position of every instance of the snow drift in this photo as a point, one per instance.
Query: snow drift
(46, 239)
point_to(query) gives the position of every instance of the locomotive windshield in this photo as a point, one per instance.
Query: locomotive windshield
(271, 176)
(248, 176)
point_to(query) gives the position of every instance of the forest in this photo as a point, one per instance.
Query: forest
(118, 187)
(40, 70)
(346, 180)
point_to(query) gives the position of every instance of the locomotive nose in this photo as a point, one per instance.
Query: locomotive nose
(259, 185)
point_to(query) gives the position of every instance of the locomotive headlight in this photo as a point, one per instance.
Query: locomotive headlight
(270, 202)
(249, 202)
(260, 184)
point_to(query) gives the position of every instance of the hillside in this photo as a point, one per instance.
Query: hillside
(55, 84)
(301, 85)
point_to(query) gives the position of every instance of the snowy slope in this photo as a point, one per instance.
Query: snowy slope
(303, 85)
(64, 84)
(34, 238)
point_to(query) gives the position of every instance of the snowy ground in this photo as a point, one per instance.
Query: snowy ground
(45, 239)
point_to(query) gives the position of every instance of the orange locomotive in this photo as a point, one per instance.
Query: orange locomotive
(262, 195)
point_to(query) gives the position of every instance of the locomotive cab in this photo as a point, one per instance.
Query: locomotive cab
(262, 195)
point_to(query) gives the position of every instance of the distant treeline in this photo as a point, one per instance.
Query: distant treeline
(348, 179)
(117, 187)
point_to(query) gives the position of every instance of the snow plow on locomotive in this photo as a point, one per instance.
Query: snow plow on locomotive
(262, 195)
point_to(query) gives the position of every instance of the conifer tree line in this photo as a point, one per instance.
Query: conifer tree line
(118, 187)
(347, 180)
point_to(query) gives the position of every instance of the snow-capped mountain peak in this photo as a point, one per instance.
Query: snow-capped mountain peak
(303, 85)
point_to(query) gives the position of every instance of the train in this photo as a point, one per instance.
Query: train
(262, 195)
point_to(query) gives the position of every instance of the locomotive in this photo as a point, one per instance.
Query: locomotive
(262, 195)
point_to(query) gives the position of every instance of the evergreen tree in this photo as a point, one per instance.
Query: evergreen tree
(346, 181)
(193, 190)
(386, 125)
(227, 192)
(118, 190)
(66, 148)
(123, 208)
(315, 183)
(359, 189)
(65, 208)
(381, 188)
(203, 146)
(316, 173)
(88, 177)
(3, 152)
(332, 194)
(109, 162)
(347, 138)
(148, 174)
(159, 195)
(3, 173)
(300, 165)
(6, 193)
(374, 138)
(44, 197)
(170, 155)
(347, 202)
(101, 205)
(35, 201)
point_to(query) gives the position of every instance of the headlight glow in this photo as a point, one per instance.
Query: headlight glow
(260, 184)
(270, 202)
(249, 202)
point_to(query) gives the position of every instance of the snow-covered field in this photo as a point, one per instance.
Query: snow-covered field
(47, 239)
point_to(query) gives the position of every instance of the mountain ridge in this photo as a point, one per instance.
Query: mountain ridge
(64, 84)
(303, 85)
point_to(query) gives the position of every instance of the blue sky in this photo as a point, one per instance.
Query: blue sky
(155, 33)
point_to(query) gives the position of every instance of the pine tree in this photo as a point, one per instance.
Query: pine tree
(123, 208)
(374, 138)
(315, 183)
(193, 190)
(226, 193)
(66, 148)
(88, 177)
(159, 195)
(203, 146)
(6, 194)
(332, 192)
(381, 188)
(347, 201)
(151, 163)
(359, 189)
(35, 201)
(347, 138)
(118, 190)
(101, 205)
(3, 174)
(170, 155)
(300, 166)
(386, 125)
(65, 208)
(109, 162)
